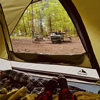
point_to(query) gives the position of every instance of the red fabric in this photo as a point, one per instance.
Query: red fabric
(47, 95)
(64, 94)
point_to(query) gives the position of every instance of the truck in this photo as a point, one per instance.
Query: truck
(58, 37)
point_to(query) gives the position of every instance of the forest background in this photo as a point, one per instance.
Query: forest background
(43, 17)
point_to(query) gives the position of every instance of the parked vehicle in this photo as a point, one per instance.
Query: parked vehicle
(58, 37)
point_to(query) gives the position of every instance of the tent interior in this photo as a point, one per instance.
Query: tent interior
(82, 71)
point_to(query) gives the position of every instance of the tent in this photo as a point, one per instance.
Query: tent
(85, 17)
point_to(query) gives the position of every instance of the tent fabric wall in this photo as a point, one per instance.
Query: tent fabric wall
(75, 60)
(89, 12)
(78, 22)
(4, 38)
(13, 10)
(3, 52)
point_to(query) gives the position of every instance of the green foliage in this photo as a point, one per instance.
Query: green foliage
(48, 15)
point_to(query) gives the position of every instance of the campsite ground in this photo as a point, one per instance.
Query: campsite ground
(68, 47)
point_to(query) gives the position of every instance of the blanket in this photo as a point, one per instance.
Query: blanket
(16, 85)
(15, 79)
(20, 94)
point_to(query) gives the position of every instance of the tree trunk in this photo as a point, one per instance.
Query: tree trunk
(24, 25)
(28, 21)
(40, 23)
(50, 26)
(32, 22)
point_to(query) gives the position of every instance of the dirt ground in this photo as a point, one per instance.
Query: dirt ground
(25, 45)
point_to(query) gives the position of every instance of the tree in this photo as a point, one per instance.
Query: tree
(48, 15)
